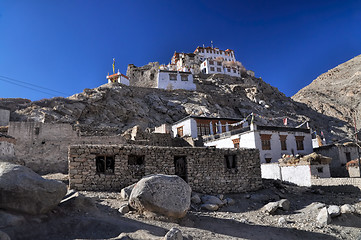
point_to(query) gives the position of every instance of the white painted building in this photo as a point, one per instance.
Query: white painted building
(300, 175)
(271, 141)
(213, 53)
(195, 126)
(218, 61)
(211, 66)
(175, 80)
(340, 154)
(119, 78)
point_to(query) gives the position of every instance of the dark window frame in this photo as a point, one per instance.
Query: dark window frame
(105, 164)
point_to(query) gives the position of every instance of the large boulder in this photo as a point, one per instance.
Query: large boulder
(169, 195)
(23, 190)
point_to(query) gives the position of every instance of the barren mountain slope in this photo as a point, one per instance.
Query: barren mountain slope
(114, 108)
(335, 92)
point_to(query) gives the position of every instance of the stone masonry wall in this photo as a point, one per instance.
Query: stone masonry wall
(337, 182)
(206, 168)
(145, 76)
(43, 147)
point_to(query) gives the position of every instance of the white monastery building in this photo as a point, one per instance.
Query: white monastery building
(179, 73)
(119, 78)
(196, 127)
(175, 80)
(215, 60)
(272, 141)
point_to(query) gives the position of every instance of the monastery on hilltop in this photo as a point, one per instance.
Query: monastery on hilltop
(179, 73)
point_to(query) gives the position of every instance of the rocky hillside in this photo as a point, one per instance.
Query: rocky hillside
(336, 92)
(114, 108)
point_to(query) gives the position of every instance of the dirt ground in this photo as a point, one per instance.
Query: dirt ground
(95, 215)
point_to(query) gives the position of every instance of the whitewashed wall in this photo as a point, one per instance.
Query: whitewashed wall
(164, 82)
(212, 54)
(189, 128)
(325, 171)
(271, 171)
(300, 175)
(276, 152)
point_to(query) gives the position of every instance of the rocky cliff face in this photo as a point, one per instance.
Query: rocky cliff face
(116, 108)
(337, 92)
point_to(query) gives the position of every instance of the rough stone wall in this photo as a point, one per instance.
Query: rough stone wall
(338, 182)
(43, 147)
(4, 116)
(145, 76)
(6, 150)
(206, 167)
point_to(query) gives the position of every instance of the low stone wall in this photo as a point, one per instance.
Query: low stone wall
(43, 147)
(205, 169)
(337, 182)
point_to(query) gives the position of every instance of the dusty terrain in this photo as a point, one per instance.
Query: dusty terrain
(96, 216)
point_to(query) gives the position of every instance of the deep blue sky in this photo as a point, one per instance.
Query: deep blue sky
(68, 45)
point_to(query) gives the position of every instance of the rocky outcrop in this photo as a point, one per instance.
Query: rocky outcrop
(24, 191)
(168, 195)
(114, 108)
(335, 93)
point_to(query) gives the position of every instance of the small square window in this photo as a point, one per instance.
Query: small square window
(135, 159)
(219, 64)
(212, 69)
(218, 69)
(105, 164)
(173, 77)
(184, 77)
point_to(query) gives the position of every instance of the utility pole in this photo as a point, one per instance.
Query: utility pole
(356, 139)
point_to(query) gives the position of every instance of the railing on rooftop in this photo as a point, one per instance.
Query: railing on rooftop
(225, 134)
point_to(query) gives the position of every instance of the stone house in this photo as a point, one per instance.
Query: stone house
(271, 141)
(207, 170)
(341, 154)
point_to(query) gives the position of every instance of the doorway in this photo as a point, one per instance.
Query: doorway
(180, 166)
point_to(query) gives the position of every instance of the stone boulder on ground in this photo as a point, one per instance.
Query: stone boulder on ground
(334, 210)
(270, 207)
(168, 195)
(323, 218)
(125, 192)
(347, 208)
(209, 199)
(24, 191)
